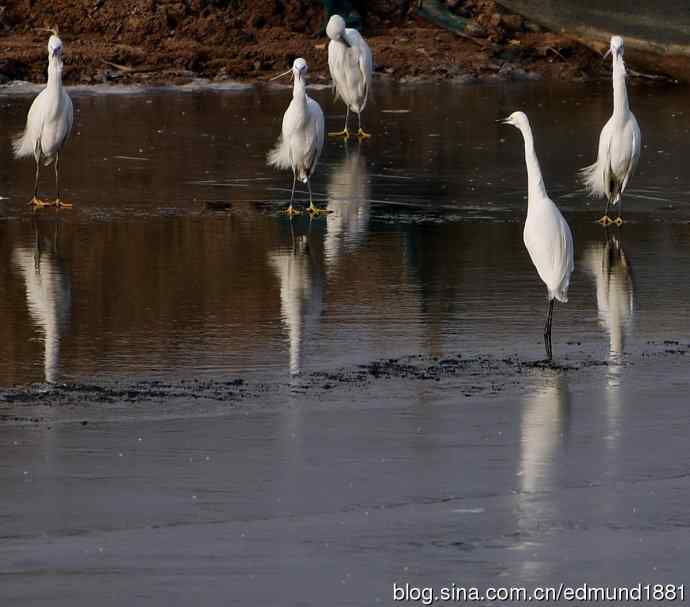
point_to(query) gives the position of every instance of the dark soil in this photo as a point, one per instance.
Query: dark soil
(168, 41)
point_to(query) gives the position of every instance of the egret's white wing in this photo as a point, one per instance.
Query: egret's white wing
(315, 132)
(365, 64)
(549, 242)
(336, 61)
(635, 153)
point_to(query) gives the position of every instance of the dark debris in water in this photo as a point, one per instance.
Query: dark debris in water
(466, 375)
(139, 392)
(477, 374)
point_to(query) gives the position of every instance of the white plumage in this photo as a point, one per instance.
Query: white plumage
(302, 136)
(48, 123)
(349, 200)
(612, 273)
(547, 236)
(351, 66)
(301, 295)
(49, 299)
(619, 143)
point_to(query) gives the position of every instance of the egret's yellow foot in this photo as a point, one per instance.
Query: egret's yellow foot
(619, 221)
(37, 203)
(291, 211)
(605, 220)
(313, 211)
(362, 135)
(345, 134)
(61, 204)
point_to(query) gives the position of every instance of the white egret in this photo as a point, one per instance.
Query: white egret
(619, 143)
(48, 123)
(351, 66)
(547, 236)
(301, 140)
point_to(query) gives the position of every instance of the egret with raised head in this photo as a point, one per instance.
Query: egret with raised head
(619, 143)
(302, 136)
(547, 236)
(351, 66)
(48, 123)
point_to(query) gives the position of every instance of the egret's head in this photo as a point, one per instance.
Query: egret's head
(54, 46)
(299, 68)
(616, 48)
(517, 119)
(336, 27)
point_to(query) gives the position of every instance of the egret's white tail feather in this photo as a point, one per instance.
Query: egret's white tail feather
(279, 156)
(23, 145)
(561, 294)
(594, 179)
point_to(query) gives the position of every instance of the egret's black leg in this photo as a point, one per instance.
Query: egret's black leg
(360, 133)
(619, 219)
(344, 133)
(38, 172)
(58, 201)
(292, 194)
(312, 210)
(547, 331)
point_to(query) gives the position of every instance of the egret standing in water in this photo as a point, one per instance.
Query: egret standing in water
(350, 64)
(301, 140)
(48, 124)
(547, 235)
(619, 143)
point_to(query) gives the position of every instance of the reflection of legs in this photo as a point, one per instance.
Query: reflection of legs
(290, 211)
(344, 133)
(360, 133)
(58, 200)
(547, 330)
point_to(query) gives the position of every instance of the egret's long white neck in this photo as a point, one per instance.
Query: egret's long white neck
(535, 182)
(620, 92)
(299, 89)
(55, 72)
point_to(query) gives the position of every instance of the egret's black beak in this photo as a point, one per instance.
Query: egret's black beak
(281, 75)
(343, 39)
(607, 54)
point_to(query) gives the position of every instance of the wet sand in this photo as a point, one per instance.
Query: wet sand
(218, 407)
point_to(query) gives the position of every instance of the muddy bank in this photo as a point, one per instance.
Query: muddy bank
(468, 376)
(175, 42)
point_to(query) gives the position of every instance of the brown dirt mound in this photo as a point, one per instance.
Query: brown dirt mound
(168, 41)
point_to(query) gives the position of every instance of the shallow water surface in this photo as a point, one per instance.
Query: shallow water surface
(203, 402)
(423, 251)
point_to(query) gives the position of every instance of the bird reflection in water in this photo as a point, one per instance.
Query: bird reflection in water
(615, 289)
(298, 269)
(48, 291)
(349, 200)
(615, 292)
(545, 428)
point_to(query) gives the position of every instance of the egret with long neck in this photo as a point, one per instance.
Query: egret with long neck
(302, 136)
(48, 123)
(351, 65)
(619, 143)
(547, 236)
